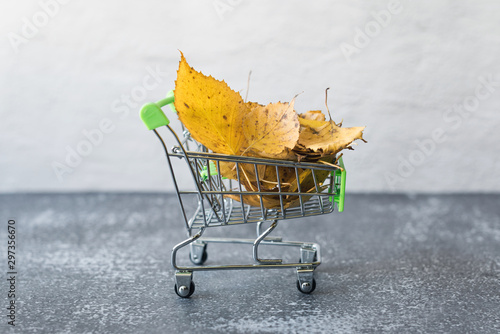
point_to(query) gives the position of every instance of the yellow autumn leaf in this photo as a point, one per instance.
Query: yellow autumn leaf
(326, 137)
(217, 117)
(252, 105)
(315, 115)
(286, 154)
(272, 128)
(210, 110)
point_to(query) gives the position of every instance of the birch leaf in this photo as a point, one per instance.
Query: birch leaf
(272, 128)
(327, 137)
(315, 115)
(210, 110)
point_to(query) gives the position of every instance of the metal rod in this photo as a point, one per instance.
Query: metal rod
(286, 193)
(222, 187)
(317, 190)
(280, 192)
(241, 192)
(259, 161)
(214, 200)
(183, 244)
(259, 225)
(314, 264)
(299, 191)
(185, 157)
(262, 209)
(257, 243)
(179, 198)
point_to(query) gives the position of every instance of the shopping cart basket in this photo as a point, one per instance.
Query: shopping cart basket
(215, 208)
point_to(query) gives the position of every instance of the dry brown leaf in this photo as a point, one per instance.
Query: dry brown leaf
(269, 201)
(252, 105)
(326, 137)
(287, 175)
(316, 115)
(272, 128)
(228, 169)
(288, 181)
(306, 178)
(272, 201)
(286, 154)
(217, 117)
(294, 201)
(246, 170)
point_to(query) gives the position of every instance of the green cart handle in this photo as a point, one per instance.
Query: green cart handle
(152, 115)
(338, 190)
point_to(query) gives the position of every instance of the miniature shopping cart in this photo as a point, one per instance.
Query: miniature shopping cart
(215, 208)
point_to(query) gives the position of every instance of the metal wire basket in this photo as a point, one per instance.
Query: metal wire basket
(222, 202)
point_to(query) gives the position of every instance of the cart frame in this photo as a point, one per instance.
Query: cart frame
(216, 209)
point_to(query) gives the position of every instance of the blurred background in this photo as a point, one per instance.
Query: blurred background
(422, 76)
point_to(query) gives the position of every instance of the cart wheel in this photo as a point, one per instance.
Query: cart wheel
(199, 261)
(305, 287)
(183, 291)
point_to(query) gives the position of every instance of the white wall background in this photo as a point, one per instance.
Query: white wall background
(64, 73)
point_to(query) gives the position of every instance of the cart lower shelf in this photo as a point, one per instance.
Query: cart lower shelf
(310, 258)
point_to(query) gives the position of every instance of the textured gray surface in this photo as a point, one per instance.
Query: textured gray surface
(392, 263)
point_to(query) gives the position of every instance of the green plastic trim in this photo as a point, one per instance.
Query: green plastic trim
(339, 179)
(204, 172)
(213, 171)
(152, 115)
(170, 95)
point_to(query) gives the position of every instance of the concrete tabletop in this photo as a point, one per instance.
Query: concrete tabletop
(100, 263)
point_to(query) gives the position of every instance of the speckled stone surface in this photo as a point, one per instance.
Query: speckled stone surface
(99, 263)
